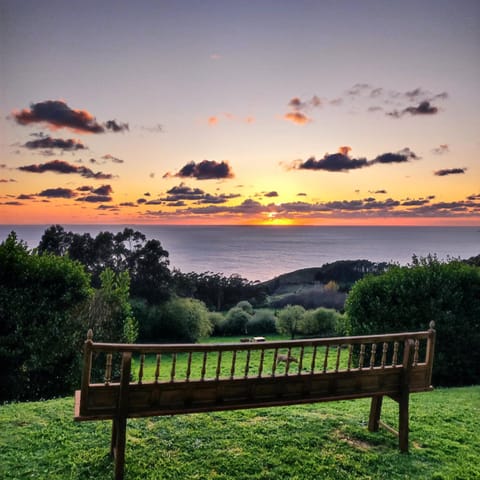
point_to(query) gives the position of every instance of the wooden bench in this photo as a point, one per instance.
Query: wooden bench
(186, 378)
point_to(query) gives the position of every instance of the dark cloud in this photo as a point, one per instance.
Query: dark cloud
(24, 196)
(57, 114)
(449, 171)
(7, 180)
(301, 194)
(402, 156)
(423, 108)
(128, 204)
(146, 194)
(103, 190)
(205, 170)
(85, 188)
(112, 158)
(141, 200)
(68, 144)
(60, 166)
(12, 203)
(107, 207)
(271, 194)
(342, 162)
(337, 162)
(379, 192)
(57, 193)
(95, 198)
(114, 126)
(414, 203)
(474, 197)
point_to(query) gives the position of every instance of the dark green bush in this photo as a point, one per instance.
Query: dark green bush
(178, 320)
(236, 322)
(262, 322)
(408, 298)
(40, 327)
(321, 321)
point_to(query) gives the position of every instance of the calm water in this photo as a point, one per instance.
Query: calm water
(260, 253)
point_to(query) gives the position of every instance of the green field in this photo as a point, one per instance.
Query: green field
(39, 440)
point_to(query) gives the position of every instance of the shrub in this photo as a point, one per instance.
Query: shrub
(289, 319)
(217, 321)
(321, 321)
(236, 322)
(408, 298)
(246, 306)
(40, 329)
(263, 321)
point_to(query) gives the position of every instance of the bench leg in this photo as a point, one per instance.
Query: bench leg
(403, 422)
(117, 449)
(375, 411)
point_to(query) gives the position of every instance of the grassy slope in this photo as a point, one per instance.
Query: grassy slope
(323, 441)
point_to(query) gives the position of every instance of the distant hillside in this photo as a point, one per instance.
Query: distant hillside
(344, 272)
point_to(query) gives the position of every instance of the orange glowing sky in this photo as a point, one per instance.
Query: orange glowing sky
(223, 112)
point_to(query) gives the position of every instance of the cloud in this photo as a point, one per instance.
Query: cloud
(57, 114)
(337, 162)
(205, 170)
(158, 128)
(473, 197)
(213, 120)
(25, 196)
(423, 108)
(57, 193)
(47, 142)
(298, 118)
(402, 156)
(112, 158)
(7, 180)
(95, 198)
(449, 171)
(271, 194)
(441, 149)
(342, 162)
(60, 166)
(103, 190)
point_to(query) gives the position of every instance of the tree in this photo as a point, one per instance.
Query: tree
(321, 321)
(236, 321)
(289, 319)
(408, 298)
(40, 296)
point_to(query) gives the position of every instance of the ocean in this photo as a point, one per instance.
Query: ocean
(263, 252)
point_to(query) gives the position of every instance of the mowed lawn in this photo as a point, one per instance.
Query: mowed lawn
(40, 440)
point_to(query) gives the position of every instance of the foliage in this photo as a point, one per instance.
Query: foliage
(408, 298)
(246, 306)
(178, 319)
(289, 320)
(40, 297)
(235, 322)
(311, 297)
(109, 313)
(328, 441)
(145, 260)
(217, 291)
(263, 321)
(216, 319)
(321, 322)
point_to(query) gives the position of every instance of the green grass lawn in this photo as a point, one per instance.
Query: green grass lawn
(39, 440)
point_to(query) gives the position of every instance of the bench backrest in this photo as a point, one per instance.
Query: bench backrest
(163, 379)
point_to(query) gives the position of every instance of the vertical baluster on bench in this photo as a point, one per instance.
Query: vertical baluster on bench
(362, 356)
(189, 366)
(337, 362)
(325, 360)
(157, 367)
(260, 367)
(204, 365)
(372, 355)
(140, 370)
(350, 353)
(234, 361)
(395, 354)
(247, 364)
(384, 354)
(274, 366)
(108, 369)
(314, 358)
(300, 362)
(287, 365)
(415, 352)
(219, 365)
(174, 364)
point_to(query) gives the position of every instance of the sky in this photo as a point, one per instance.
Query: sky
(280, 112)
